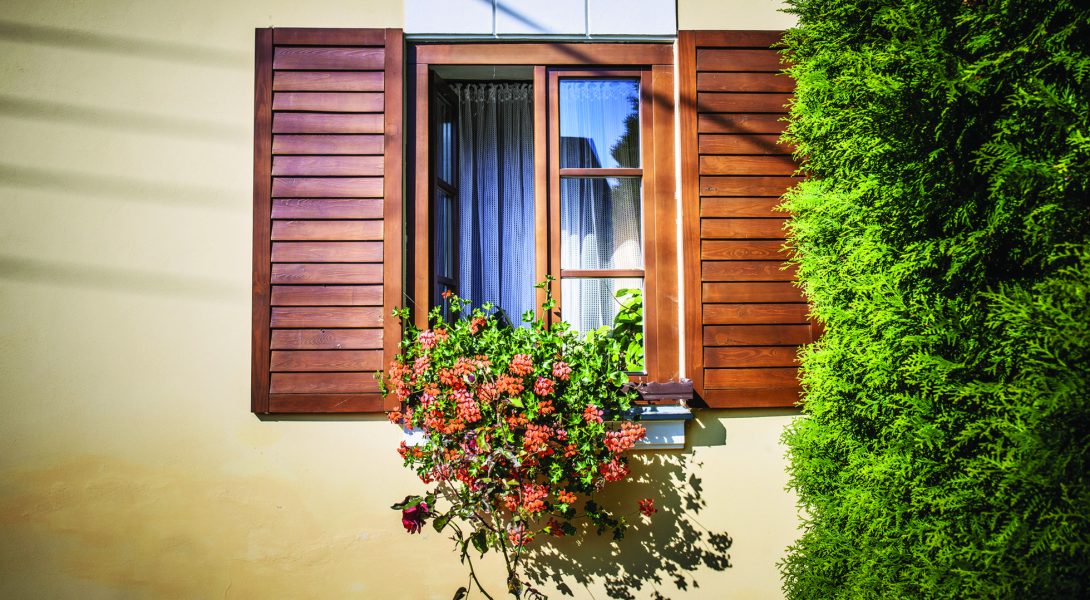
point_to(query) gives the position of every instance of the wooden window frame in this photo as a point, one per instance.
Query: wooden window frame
(654, 65)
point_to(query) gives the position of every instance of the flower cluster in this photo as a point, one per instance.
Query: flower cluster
(520, 426)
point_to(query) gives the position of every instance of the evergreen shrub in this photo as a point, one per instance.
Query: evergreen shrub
(943, 237)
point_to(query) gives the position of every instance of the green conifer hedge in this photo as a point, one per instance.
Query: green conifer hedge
(944, 239)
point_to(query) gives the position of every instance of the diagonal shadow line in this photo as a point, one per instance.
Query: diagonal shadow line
(28, 270)
(142, 190)
(123, 45)
(138, 122)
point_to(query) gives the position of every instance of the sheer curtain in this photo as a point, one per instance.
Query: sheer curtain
(496, 195)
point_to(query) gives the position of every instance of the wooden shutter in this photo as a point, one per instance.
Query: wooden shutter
(327, 217)
(744, 317)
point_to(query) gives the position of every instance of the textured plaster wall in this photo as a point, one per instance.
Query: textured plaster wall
(130, 466)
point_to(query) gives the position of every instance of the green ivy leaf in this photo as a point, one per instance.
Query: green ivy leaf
(441, 522)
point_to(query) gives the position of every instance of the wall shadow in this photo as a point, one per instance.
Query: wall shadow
(657, 557)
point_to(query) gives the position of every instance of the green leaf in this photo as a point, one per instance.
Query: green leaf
(480, 541)
(461, 593)
(408, 502)
(441, 522)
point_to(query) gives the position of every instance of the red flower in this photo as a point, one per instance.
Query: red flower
(566, 497)
(626, 438)
(647, 507)
(543, 386)
(413, 518)
(521, 365)
(447, 294)
(476, 325)
(394, 416)
(561, 370)
(592, 414)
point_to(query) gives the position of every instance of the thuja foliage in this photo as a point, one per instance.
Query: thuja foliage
(943, 237)
(522, 427)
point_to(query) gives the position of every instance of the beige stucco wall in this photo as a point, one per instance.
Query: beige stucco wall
(130, 466)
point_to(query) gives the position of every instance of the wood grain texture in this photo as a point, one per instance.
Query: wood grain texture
(309, 166)
(757, 378)
(740, 123)
(394, 152)
(335, 102)
(744, 82)
(327, 339)
(751, 356)
(756, 335)
(326, 403)
(327, 144)
(259, 332)
(327, 187)
(714, 59)
(326, 316)
(296, 273)
(327, 295)
(421, 198)
(329, 36)
(742, 144)
(327, 208)
(755, 314)
(746, 270)
(323, 383)
(294, 122)
(777, 291)
(730, 102)
(743, 165)
(328, 81)
(302, 252)
(557, 54)
(690, 211)
(328, 59)
(745, 186)
(326, 360)
(748, 228)
(327, 230)
(742, 250)
(744, 38)
(753, 398)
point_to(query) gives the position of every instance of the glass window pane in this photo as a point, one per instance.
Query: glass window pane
(588, 304)
(600, 223)
(444, 143)
(444, 234)
(599, 123)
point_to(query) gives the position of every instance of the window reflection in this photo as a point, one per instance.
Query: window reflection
(599, 123)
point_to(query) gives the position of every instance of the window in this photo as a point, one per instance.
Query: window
(548, 168)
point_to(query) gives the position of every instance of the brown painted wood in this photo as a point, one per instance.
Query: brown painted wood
(775, 291)
(709, 59)
(327, 81)
(259, 332)
(328, 59)
(755, 335)
(744, 165)
(336, 102)
(326, 360)
(301, 252)
(690, 211)
(746, 270)
(742, 250)
(569, 172)
(599, 273)
(663, 184)
(746, 186)
(326, 403)
(309, 166)
(296, 273)
(651, 310)
(747, 38)
(751, 356)
(327, 339)
(394, 152)
(326, 316)
(729, 207)
(742, 144)
(742, 228)
(744, 82)
(323, 383)
(541, 182)
(327, 295)
(327, 230)
(421, 242)
(327, 208)
(741, 102)
(755, 314)
(327, 144)
(756, 398)
(576, 54)
(740, 123)
(327, 187)
(758, 378)
(290, 122)
(309, 36)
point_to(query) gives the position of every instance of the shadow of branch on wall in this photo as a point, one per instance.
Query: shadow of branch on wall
(657, 557)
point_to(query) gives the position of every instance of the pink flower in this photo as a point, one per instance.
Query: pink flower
(561, 370)
(592, 414)
(427, 339)
(647, 507)
(521, 364)
(412, 518)
(543, 386)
